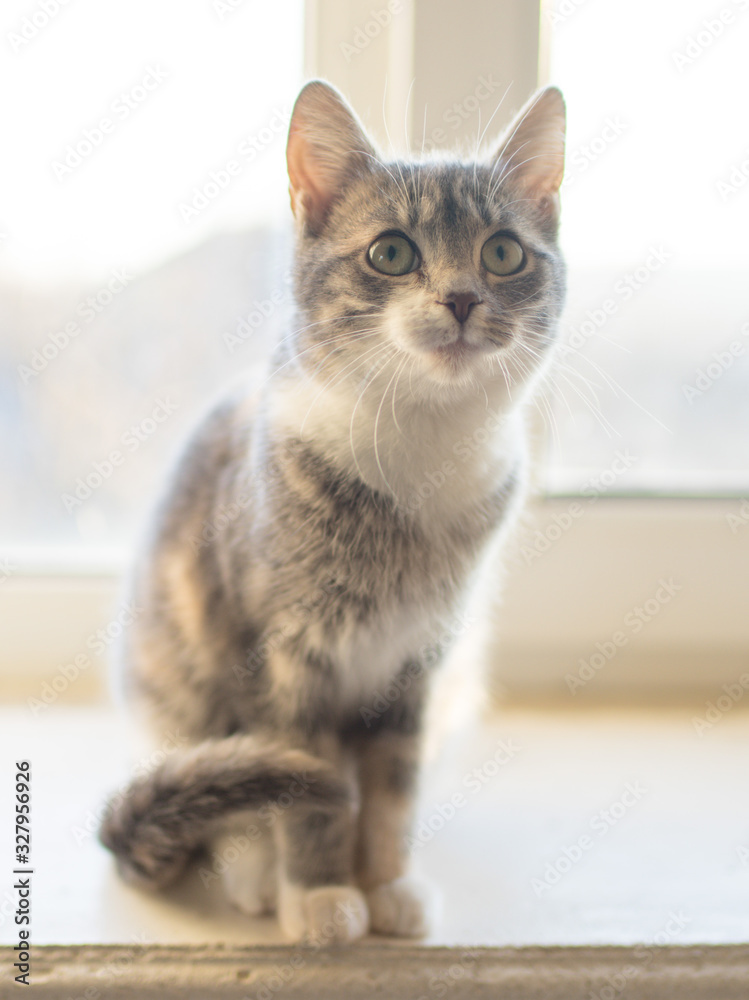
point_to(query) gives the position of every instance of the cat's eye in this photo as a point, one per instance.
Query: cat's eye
(393, 254)
(502, 255)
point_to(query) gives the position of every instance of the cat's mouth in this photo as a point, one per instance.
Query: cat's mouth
(456, 360)
(460, 351)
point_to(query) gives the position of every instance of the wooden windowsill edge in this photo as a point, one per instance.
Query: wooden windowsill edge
(527, 973)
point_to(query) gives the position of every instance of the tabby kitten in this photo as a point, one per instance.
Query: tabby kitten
(320, 531)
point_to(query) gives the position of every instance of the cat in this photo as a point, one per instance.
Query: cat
(322, 528)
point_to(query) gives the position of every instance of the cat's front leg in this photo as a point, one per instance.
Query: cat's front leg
(317, 900)
(399, 905)
(245, 854)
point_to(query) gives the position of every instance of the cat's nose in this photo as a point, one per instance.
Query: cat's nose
(461, 303)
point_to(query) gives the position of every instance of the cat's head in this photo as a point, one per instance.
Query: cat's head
(445, 270)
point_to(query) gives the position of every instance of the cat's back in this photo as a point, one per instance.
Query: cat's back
(218, 448)
(178, 586)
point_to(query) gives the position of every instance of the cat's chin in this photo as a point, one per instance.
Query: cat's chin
(456, 363)
(457, 353)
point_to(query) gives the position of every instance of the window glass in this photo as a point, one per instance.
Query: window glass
(141, 259)
(653, 386)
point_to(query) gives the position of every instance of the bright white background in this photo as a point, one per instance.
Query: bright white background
(656, 96)
(227, 72)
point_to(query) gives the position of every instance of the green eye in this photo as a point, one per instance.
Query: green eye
(503, 255)
(392, 255)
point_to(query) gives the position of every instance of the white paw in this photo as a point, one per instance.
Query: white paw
(330, 914)
(250, 880)
(401, 908)
(253, 893)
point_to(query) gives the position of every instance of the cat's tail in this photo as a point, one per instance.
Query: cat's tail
(158, 822)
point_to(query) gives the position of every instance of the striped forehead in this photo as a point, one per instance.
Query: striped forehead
(452, 197)
(441, 200)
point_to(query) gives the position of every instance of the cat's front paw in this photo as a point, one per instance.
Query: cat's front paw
(250, 888)
(327, 915)
(401, 908)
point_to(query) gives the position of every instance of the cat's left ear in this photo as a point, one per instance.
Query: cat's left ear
(327, 148)
(531, 153)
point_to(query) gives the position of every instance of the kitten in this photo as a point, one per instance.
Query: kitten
(320, 531)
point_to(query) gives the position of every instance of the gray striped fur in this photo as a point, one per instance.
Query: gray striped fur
(312, 542)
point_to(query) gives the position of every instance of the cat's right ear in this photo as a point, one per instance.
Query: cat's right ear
(327, 148)
(531, 154)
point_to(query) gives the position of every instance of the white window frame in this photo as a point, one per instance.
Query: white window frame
(556, 607)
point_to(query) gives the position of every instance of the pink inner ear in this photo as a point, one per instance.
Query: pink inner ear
(325, 149)
(309, 191)
(540, 178)
(544, 184)
(534, 149)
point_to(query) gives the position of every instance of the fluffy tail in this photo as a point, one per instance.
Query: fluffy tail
(158, 822)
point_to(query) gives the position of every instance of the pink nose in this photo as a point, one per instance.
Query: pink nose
(461, 304)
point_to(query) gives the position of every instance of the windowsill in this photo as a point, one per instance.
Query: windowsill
(668, 872)
(675, 849)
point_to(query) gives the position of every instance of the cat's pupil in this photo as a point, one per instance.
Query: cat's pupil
(501, 252)
(392, 252)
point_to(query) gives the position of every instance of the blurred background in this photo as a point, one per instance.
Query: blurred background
(144, 235)
(144, 252)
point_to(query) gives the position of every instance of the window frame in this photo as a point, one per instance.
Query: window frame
(73, 599)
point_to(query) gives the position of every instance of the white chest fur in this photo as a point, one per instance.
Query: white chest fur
(433, 460)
